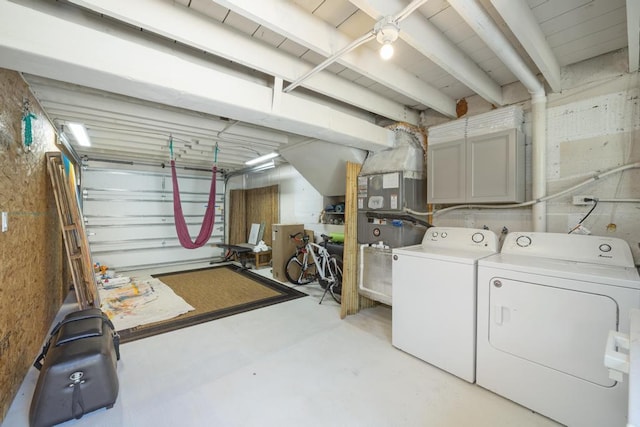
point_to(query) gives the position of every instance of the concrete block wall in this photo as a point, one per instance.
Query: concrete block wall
(590, 129)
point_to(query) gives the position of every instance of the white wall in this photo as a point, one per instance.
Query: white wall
(590, 129)
(300, 203)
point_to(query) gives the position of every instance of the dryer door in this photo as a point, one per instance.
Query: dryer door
(562, 329)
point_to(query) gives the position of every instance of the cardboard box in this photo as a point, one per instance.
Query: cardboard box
(282, 247)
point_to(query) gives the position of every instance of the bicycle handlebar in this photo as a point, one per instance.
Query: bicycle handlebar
(305, 237)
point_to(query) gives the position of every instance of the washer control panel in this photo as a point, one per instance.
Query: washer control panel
(523, 241)
(460, 238)
(570, 247)
(477, 237)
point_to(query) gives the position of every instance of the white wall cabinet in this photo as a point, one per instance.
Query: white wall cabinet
(479, 169)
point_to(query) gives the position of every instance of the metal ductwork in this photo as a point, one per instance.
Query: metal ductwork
(323, 164)
(390, 182)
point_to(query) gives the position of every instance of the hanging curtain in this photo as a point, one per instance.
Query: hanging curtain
(209, 216)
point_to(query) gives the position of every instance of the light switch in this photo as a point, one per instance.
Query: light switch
(5, 221)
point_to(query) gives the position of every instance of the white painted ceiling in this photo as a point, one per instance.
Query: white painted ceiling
(204, 72)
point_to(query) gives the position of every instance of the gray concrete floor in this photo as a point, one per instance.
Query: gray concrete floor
(292, 364)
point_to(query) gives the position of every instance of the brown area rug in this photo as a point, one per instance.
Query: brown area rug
(214, 293)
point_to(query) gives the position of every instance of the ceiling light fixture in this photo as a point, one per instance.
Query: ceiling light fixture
(80, 134)
(263, 166)
(261, 159)
(386, 33)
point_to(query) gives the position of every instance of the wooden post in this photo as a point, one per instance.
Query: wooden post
(351, 300)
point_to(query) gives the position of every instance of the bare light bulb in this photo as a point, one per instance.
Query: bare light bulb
(386, 51)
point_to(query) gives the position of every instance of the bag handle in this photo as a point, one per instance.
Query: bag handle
(116, 337)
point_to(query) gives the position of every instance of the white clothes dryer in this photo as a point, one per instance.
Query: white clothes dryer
(434, 297)
(546, 304)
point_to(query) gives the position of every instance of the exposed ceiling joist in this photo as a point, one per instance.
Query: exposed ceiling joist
(522, 23)
(478, 19)
(137, 72)
(125, 112)
(292, 22)
(158, 76)
(424, 37)
(213, 37)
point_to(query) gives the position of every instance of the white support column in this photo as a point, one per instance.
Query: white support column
(633, 34)
(539, 160)
(277, 94)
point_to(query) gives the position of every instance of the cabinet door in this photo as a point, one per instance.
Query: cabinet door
(447, 175)
(493, 168)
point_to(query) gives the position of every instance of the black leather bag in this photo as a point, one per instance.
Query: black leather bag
(77, 369)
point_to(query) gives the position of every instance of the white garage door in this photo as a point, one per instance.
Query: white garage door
(128, 214)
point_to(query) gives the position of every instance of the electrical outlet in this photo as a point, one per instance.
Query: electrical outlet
(579, 200)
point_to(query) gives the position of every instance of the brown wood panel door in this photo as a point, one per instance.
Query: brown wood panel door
(253, 206)
(263, 207)
(237, 217)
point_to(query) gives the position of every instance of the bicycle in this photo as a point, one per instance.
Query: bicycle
(302, 267)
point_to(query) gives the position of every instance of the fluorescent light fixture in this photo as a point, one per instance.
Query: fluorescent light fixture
(263, 166)
(80, 134)
(261, 159)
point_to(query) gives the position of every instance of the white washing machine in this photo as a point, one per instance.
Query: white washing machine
(434, 297)
(546, 304)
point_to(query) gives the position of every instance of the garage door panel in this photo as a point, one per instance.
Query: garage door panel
(100, 208)
(135, 259)
(129, 218)
(142, 232)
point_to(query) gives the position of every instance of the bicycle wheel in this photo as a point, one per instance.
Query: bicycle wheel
(335, 289)
(295, 271)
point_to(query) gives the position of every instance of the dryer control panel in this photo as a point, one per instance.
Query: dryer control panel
(460, 238)
(570, 247)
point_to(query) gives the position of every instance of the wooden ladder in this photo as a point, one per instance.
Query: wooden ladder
(75, 237)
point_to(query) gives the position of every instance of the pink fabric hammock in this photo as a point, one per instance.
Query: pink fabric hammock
(209, 215)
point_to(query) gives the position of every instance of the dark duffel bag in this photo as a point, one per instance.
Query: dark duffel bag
(77, 369)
